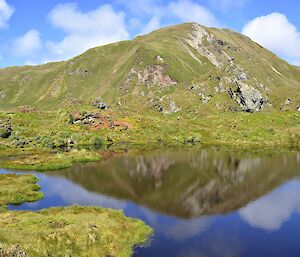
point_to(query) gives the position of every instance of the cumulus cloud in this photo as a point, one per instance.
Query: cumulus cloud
(189, 11)
(28, 44)
(103, 25)
(275, 32)
(6, 11)
(176, 11)
(85, 30)
(153, 24)
(271, 211)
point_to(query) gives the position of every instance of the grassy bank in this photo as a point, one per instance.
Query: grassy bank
(73, 231)
(46, 160)
(17, 189)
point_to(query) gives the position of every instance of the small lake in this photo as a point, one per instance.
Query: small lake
(210, 202)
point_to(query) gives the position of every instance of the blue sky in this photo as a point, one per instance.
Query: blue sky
(35, 31)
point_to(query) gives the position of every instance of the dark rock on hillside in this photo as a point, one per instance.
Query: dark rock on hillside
(100, 104)
(5, 132)
(249, 98)
(5, 129)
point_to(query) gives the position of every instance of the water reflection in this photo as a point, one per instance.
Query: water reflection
(271, 211)
(200, 203)
(187, 184)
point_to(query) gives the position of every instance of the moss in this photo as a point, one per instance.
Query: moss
(73, 231)
(17, 189)
(50, 161)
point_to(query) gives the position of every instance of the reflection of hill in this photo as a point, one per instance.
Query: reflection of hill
(187, 184)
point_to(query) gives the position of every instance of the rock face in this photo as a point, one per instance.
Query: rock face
(249, 98)
(151, 76)
(14, 251)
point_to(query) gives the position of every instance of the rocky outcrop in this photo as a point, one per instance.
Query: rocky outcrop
(151, 76)
(218, 52)
(249, 98)
(172, 109)
(100, 104)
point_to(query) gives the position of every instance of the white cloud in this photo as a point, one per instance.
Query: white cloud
(189, 11)
(176, 11)
(85, 30)
(28, 44)
(276, 33)
(153, 24)
(271, 211)
(6, 11)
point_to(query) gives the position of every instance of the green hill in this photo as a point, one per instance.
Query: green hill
(183, 66)
(180, 84)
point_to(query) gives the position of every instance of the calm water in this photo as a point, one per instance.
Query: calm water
(200, 203)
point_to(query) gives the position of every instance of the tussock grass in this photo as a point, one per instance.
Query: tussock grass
(17, 189)
(73, 231)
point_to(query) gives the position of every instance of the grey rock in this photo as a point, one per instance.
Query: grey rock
(249, 98)
(242, 76)
(100, 104)
(172, 109)
(14, 251)
(205, 99)
(288, 101)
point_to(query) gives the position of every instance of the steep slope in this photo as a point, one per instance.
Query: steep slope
(182, 68)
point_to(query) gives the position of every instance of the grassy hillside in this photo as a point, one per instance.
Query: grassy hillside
(105, 71)
(183, 84)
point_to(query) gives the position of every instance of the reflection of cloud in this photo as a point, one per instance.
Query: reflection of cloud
(74, 194)
(68, 193)
(271, 211)
(215, 243)
(178, 229)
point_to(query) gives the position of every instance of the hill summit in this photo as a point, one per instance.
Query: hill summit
(170, 70)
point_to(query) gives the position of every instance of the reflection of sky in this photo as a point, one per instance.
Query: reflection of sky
(62, 192)
(207, 236)
(272, 210)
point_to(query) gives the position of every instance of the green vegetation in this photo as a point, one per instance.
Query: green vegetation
(49, 161)
(17, 189)
(159, 88)
(73, 231)
(103, 71)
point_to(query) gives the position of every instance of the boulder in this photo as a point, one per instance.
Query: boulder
(288, 101)
(100, 104)
(5, 131)
(249, 98)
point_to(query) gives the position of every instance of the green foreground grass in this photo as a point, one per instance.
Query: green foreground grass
(72, 231)
(47, 141)
(43, 160)
(16, 189)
